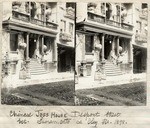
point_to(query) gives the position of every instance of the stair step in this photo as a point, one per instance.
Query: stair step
(36, 68)
(113, 72)
(112, 69)
(38, 73)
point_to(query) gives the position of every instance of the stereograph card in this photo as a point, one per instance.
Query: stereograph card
(75, 64)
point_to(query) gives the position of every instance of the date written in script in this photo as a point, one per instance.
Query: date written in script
(94, 119)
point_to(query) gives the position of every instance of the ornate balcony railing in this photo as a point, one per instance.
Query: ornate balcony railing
(112, 23)
(20, 16)
(101, 19)
(141, 38)
(37, 22)
(26, 17)
(96, 17)
(65, 37)
(126, 26)
(51, 25)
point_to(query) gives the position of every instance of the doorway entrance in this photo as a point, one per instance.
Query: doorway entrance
(139, 60)
(32, 47)
(65, 59)
(107, 49)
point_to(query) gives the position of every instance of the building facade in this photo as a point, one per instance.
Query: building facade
(140, 38)
(104, 38)
(34, 39)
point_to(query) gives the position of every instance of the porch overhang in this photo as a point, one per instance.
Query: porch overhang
(139, 47)
(65, 46)
(102, 28)
(25, 27)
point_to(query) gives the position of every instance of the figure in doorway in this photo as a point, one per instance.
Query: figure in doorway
(113, 57)
(123, 57)
(37, 54)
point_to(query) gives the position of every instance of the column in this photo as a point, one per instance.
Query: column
(103, 59)
(103, 37)
(113, 44)
(42, 45)
(130, 67)
(30, 10)
(27, 57)
(130, 51)
(113, 57)
(105, 11)
(44, 13)
(117, 46)
(83, 67)
(120, 15)
(82, 40)
(37, 43)
(54, 51)
(27, 47)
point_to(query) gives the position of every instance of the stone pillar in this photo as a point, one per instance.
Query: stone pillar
(42, 51)
(42, 45)
(44, 14)
(130, 57)
(120, 14)
(37, 43)
(130, 51)
(103, 51)
(105, 10)
(54, 51)
(27, 47)
(30, 10)
(117, 46)
(113, 44)
(83, 47)
(103, 44)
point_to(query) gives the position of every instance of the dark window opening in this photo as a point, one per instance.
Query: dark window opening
(144, 5)
(69, 4)
(88, 43)
(13, 42)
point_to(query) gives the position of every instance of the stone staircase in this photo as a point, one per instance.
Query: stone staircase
(36, 68)
(112, 69)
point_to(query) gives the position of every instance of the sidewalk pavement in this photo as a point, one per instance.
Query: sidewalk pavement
(14, 82)
(88, 82)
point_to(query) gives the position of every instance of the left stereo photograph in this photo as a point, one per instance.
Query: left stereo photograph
(38, 53)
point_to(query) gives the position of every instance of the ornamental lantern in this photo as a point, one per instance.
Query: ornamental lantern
(44, 48)
(98, 47)
(22, 46)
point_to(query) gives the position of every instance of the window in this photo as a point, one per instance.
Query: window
(71, 28)
(144, 5)
(68, 4)
(102, 8)
(63, 26)
(88, 43)
(13, 42)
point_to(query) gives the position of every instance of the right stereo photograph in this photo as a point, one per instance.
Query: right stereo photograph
(111, 54)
